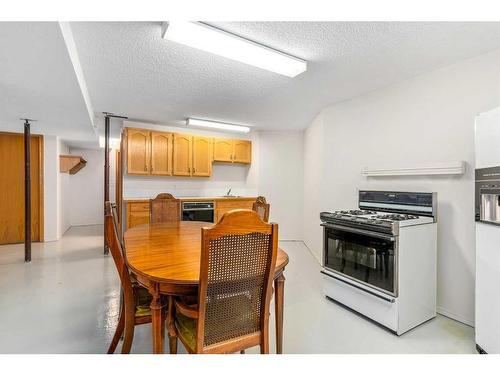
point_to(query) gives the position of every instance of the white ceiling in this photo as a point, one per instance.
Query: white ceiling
(132, 71)
(37, 80)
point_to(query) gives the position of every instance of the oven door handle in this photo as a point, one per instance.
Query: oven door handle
(359, 231)
(388, 299)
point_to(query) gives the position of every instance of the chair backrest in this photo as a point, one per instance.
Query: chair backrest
(114, 215)
(164, 208)
(238, 257)
(262, 208)
(116, 250)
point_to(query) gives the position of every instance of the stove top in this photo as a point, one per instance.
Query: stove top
(387, 222)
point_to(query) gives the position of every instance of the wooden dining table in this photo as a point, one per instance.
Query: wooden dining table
(165, 258)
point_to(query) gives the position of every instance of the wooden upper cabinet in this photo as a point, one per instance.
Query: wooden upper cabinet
(182, 154)
(138, 151)
(202, 156)
(223, 149)
(242, 151)
(158, 153)
(161, 153)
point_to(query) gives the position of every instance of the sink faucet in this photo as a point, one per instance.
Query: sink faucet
(228, 192)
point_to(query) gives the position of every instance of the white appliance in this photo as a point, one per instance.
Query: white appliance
(380, 260)
(487, 206)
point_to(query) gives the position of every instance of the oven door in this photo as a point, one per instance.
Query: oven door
(367, 257)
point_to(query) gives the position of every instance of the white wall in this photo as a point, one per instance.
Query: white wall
(63, 194)
(87, 189)
(426, 119)
(50, 188)
(314, 171)
(281, 180)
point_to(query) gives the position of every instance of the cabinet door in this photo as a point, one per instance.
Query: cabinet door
(223, 206)
(182, 155)
(161, 153)
(223, 149)
(137, 214)
(202, 156)
(138, 142)
(242, 152)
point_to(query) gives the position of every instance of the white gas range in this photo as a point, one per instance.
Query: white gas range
(380, 260)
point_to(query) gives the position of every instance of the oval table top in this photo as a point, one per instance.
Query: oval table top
(171, 252)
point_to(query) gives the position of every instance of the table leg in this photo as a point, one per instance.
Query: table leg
(172, 335)
(156, 318)
(279, 291)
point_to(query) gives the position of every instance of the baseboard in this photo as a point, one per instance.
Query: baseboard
(454, 316)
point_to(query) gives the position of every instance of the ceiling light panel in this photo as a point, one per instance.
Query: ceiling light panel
(217, 125)
(214, 40)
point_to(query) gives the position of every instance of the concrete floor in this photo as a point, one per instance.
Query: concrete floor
(66, 301)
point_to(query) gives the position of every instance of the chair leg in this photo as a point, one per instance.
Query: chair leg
(172, 343)
(129, 334)
(118, 332)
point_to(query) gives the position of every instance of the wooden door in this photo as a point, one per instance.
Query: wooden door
(223, 149)
(242, 151)
(161, 153)
(138, 149)
(182, 155)
(12, 188)
(202, 156)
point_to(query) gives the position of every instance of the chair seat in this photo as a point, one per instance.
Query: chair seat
(186, 327)
(142, 307)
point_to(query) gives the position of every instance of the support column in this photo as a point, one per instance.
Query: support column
(27, 190)
(107, 116)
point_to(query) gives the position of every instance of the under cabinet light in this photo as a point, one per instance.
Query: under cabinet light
(220, 42)
(217, 125)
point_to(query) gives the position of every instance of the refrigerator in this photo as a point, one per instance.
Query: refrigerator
(487, 223)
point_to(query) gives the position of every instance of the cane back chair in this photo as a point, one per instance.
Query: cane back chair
(262, 208)
(164, 208)
(238, 256)
(135, 307)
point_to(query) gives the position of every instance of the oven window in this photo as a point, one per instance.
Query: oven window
(365, 258)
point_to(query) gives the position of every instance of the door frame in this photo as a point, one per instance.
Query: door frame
(41, 201)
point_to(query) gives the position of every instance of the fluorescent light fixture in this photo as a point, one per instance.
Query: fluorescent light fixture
(214, 40)
(114, 143)
(217, 125)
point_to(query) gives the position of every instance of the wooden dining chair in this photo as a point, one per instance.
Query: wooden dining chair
(238, 256)
(262, 208)
(164, 209)
(135, 308)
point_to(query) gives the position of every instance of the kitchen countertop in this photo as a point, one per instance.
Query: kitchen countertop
(192, 199)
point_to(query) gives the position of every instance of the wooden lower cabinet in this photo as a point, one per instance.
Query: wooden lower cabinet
(223, 206)
(138, 211)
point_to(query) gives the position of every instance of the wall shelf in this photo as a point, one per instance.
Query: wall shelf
(456, 168)
(71, 163)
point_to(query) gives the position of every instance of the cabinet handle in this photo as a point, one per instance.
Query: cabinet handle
(194, 170)
(146, 167)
